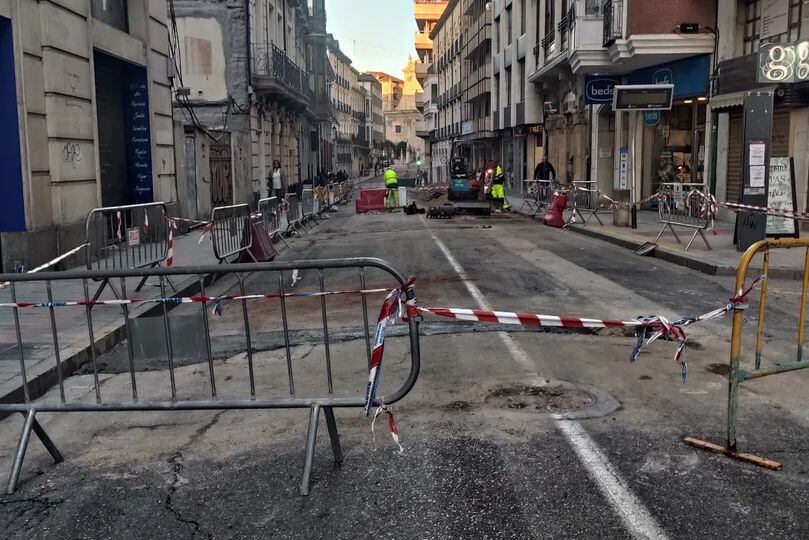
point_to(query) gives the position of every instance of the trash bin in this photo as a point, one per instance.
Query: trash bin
(402, 196)
(622, 215)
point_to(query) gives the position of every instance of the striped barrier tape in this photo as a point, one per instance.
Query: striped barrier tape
(51, 263)
(648, 329)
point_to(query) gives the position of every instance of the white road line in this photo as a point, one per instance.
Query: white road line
(635, 517)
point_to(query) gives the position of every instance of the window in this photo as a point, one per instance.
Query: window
(496, 88)
(522, 16)
(549, 5)
(522, 79)
(397, 128)
(497, 40)
(509, 26)
(111, 12)
(508, 87)
(752, 24)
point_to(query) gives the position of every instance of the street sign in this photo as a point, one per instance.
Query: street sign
(644, 97)
(598, 89)
(651, 118)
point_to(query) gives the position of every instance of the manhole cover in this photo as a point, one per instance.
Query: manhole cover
(554, 398)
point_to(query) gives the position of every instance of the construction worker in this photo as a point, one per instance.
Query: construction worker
(391, 182)
(497, 187)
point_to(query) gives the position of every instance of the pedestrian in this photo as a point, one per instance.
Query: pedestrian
(392, 184)
(275, 181)
(544, 171)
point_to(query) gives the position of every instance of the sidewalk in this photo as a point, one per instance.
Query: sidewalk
(722, 259)
(71, 323)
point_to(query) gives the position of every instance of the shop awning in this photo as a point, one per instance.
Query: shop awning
(726, 101)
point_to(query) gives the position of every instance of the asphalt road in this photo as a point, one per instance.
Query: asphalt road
(481, 459)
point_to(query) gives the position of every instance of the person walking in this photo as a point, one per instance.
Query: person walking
(392, 184)
(275, 180)
(544, 171)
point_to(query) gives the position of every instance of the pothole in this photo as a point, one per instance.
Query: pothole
(456, 406)
(546, 399)
(719, 369)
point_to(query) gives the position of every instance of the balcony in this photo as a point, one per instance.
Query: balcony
(422, 130)
(420, 101)
(429, 10)
(507, 117)
(360, 140)
(422, 70)
(423, 41)
(613, 11)
(275, 73)
(549, 44)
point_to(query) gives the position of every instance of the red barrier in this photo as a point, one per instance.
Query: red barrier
(371, 199)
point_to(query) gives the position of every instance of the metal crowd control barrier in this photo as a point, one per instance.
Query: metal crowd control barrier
(174, 394)
(537, 195)
(230, 231)
(586, 199)
(737, 374)
(293, 211)
(308, 206)
(271, 212)
(683, 207)
(121, 237)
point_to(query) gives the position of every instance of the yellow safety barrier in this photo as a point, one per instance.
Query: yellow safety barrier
(737, 374)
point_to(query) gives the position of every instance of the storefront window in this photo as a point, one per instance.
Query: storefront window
(680, 144)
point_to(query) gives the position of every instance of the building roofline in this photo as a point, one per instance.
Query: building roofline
(444, 16)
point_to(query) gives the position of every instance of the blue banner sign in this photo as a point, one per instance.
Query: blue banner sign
(689, 77)
(138, 140)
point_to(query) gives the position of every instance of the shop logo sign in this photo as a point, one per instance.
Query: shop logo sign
(599, 90)
(663, 76)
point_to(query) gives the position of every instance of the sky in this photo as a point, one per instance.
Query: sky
(376, 34)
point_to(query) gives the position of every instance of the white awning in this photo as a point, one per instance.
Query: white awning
(725, 101)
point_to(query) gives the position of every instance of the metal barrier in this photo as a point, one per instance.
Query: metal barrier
(271, 212)
(164, 391)
(131, 236)
(536, 195)
(737, 374)
(308, 206)
(293, 212)
(683, 205)
(586, 199)
(230, 231)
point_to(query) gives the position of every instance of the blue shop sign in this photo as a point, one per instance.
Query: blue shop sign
(689, 77)
(599, 89)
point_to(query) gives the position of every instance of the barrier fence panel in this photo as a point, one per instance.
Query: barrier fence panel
(586, 199)
(739, 373)
(308, 205)
(293, 212)
(131, 236)
(230, 231)
(271, 212)
(683, 205)
(247, 383)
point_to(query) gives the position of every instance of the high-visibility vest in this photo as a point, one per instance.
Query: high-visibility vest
(390, 177)
(498, 175)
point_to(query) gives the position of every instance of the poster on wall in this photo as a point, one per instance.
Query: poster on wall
(781, 196)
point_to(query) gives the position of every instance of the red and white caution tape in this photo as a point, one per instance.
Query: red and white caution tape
(170, 249)
(51, 263)
(394, 429)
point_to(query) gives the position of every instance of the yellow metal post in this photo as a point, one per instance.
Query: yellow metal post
(802, 315)
(761, 308)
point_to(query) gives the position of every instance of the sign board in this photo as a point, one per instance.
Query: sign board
(774, 18)
(622, 179)
(651, 118)
(138, 138)
(758, 116)
(781, 195)
(644, 97)
(133, 236)
(598, 90)
(690, 76)
(783, 62)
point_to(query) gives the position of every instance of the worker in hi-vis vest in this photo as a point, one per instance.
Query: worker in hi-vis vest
(497, 187)
(391, 182)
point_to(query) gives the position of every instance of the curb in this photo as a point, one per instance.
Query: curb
(682, 258)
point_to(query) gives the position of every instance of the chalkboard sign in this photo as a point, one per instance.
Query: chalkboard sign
(138, 139)
(781, 195)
